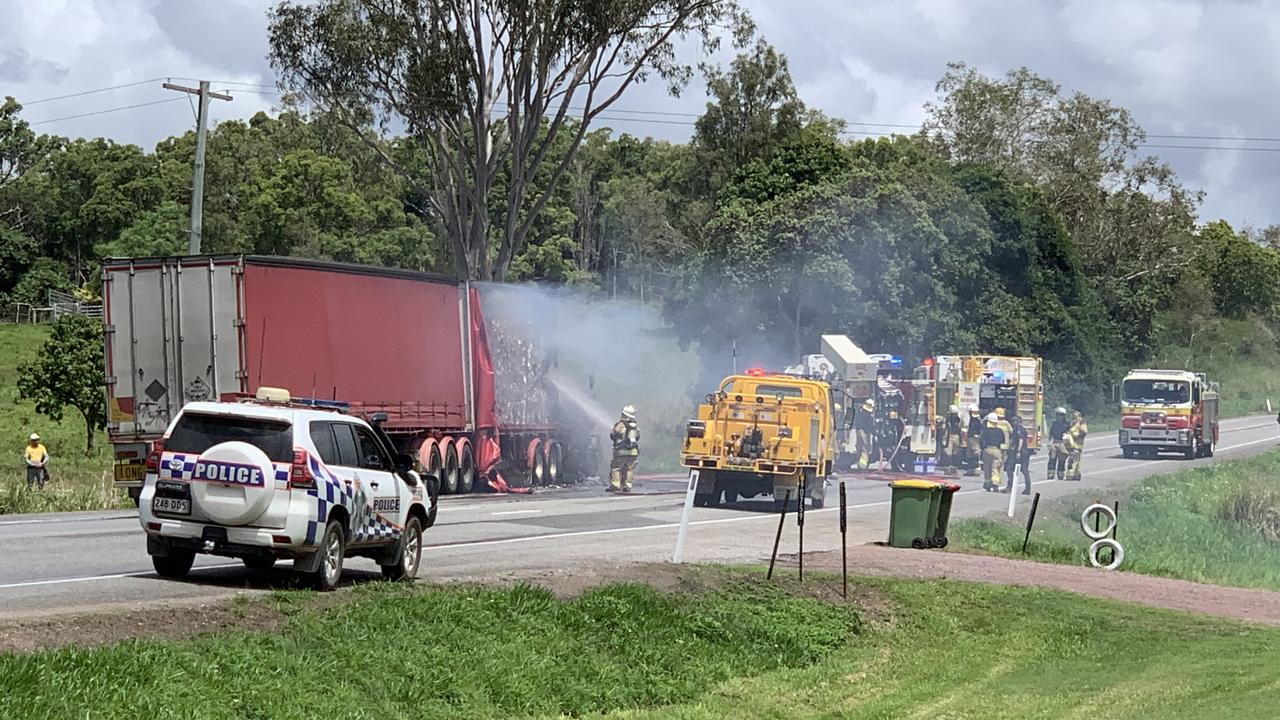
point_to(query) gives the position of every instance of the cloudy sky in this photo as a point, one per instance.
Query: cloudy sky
(1184, 68)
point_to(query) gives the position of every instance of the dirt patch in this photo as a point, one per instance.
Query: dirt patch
(168, 621)
(1254, 606)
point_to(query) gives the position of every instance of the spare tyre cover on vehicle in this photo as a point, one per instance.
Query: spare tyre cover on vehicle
(233, 483)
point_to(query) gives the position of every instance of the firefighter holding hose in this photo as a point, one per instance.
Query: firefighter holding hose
(626, 450)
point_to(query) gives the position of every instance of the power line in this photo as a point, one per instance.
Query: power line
(653, 118)
(108, 110)
(91, 92)
(1210, 147)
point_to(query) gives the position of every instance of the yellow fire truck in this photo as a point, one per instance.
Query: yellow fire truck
(761, 433)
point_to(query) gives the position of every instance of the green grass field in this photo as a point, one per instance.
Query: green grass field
(1218, 524)
(77, 481)
(733, 647)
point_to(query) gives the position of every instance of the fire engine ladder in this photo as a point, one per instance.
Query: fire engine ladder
(1029, 395)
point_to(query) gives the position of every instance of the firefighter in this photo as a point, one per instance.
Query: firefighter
(1019, 456)
(893, 432)
(1057, 444)
(626, 450)
(864, 430)
(975, 442)
(1004, 422)
(955, 440)
(994, 443)
(1074, 443)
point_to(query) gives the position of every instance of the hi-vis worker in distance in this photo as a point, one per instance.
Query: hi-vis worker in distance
(626, 450)
(864, 432)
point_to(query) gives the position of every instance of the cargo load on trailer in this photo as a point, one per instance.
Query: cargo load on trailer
(465, 392)
(762, 434)
(1168, 411)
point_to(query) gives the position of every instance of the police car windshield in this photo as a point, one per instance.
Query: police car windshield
(1165, 392)
(196, 433)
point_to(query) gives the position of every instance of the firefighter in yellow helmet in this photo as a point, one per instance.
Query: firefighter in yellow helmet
(864, 431)
(1074, 442)
(626, 450)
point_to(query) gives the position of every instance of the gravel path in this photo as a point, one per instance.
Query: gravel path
(1253, 606)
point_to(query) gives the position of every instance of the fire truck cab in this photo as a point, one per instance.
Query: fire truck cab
(1168, 411)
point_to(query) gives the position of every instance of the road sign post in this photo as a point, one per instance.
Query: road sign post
(678, 557)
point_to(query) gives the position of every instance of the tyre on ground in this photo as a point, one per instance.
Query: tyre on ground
(174, 565)
(333, 545)
(408, 553)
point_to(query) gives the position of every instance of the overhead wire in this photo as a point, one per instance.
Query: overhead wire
(642, 116)
(94, 91)
(107, 110)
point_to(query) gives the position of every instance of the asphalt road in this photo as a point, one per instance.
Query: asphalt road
(79, 561)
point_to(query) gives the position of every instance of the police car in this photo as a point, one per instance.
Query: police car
(269, 478)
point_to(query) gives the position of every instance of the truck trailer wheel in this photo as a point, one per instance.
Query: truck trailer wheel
(555, 462)
(451, 474)
(466, 469)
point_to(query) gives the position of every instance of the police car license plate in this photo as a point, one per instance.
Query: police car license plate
(171, 505)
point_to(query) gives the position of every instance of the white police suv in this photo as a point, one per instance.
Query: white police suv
(269, 478)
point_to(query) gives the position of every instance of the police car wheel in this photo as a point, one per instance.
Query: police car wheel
(332, 549)
(408, 553)
(174, 565)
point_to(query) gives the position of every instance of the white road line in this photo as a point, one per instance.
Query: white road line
(517, 512)
(44, 521)
(88, 578)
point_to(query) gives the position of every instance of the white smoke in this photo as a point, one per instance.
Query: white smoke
(608, 354)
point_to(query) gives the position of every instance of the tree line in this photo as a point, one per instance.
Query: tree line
(1020, 219)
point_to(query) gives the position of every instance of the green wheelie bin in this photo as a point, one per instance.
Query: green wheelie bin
(913, 513)
(946, 491)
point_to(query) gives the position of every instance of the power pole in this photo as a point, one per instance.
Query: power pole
(197, 171)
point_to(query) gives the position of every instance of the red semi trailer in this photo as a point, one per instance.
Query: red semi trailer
(466, 394)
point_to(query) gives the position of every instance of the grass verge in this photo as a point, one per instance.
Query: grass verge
(1216, 524)
(396, 653)
(734, 647)
(77, 481)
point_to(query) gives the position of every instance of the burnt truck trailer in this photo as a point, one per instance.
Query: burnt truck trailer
(464, 393)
